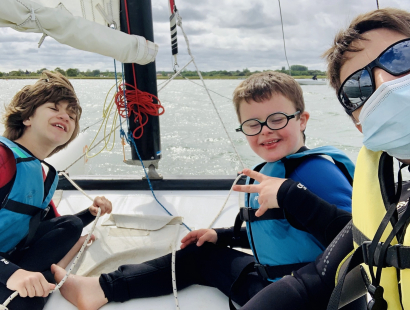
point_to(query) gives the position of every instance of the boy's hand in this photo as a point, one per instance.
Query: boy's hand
(103, 203)
(199, 236)
(267, 189)
(30, 284)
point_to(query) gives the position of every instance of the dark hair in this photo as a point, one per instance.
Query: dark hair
(388, 18)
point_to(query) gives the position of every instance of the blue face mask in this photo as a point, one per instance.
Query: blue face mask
(385, 119)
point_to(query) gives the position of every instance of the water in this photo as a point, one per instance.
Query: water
(192, 137)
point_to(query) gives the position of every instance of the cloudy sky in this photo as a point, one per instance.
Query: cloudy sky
(224, 35)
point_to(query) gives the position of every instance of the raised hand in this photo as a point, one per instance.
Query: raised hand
(199, 236)
(267, 188)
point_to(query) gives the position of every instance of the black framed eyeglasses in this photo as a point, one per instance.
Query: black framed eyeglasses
(360, 85)
(275, 121)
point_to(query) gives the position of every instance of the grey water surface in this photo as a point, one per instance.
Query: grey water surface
(192, 137)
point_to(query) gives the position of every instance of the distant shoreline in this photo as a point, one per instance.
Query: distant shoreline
(158, 78)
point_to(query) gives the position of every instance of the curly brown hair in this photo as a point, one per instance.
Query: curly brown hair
(51, 87)
(388, 18)
(261, 86)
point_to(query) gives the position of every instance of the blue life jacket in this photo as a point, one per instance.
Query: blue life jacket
(28, 200)
(273, 240)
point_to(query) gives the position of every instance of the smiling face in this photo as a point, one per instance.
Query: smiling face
(377, 41)
(272, 145)
(51, 124)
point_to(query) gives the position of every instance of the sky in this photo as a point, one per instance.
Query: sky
(223, 34)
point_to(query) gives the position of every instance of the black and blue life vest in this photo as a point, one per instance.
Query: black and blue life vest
(274, 241)
(29, 198)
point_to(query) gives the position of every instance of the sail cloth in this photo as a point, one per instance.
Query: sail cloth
(76, 31)
(128, 239)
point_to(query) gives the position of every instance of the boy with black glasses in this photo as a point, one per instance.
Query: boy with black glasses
(271, 110)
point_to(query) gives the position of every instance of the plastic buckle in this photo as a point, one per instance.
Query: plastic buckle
(393, 256)
(365, 245)
(376, 256)
(245, 214)
(261, 271)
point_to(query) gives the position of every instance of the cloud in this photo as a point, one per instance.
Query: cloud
(223, 34)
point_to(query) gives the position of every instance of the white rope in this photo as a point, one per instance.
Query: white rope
(179, 23)
(83, 9)
(226, 200)
(174, 279)
(92, 10)
(12, 296)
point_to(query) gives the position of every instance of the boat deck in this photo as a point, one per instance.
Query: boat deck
(198, 209)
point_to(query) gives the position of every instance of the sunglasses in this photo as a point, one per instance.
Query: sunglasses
(360, 85)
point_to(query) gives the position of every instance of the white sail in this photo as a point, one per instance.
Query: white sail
(75, 31)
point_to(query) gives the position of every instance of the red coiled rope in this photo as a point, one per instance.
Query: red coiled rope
(137, 101)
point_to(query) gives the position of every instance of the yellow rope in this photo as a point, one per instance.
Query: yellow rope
(107, 136)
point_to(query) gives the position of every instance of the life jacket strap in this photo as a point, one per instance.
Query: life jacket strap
(248, 215)
(397, 255)
(273, 272)
(340, 297)
(20, 207)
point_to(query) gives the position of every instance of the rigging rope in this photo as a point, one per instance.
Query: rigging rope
(179, 23)
(283, 36)
(107, 112)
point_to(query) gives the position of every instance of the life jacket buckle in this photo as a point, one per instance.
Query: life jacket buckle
(245, 214)
(261, 269)
(365, 245)
(393, 256)
(396, 255)
(376, 257)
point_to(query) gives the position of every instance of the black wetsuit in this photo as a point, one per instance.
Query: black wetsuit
(219, 266)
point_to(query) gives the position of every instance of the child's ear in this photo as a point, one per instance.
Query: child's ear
(27, 122)
(304, 117)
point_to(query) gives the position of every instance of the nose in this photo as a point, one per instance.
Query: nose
(64, 116)
(381, 76)
(265, 129)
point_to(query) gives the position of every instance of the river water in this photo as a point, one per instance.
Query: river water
(193, 141)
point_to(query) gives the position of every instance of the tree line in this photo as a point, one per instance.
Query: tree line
(295, 70)
(71, 72)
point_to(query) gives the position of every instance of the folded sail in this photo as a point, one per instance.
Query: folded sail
(78, 32)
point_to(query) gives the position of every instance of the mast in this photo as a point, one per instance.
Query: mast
(140, 23)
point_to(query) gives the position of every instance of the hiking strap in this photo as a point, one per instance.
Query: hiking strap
(239, 280)
(353, 261)
(264, 271)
